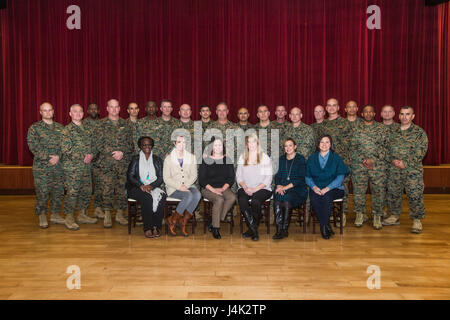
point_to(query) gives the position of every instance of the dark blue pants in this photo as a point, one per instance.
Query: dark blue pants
(323, 205)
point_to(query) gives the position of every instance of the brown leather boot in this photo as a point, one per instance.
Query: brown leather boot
(185, 220)
(172, 220)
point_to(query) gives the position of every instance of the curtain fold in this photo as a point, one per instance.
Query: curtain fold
(244, 52)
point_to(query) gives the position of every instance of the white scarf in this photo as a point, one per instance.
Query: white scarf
(147, 174)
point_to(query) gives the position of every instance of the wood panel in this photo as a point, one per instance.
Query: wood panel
(115, 265)
(19, 180)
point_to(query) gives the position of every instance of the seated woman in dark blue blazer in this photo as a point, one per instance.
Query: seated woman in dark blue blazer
(325, 172)
(144, 178)
(290, 187)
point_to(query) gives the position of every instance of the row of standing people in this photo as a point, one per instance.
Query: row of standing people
(353, 142)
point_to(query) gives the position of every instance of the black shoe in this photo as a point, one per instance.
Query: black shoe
(252, 223)
(285, 233)
(286, 221)
(278, 235)
(215, 233)
(255, 236)
(247, 234)
(330, 230)
(324, 232)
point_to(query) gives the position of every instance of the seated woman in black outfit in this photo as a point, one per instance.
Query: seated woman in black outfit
(325, 172)
(290, 187)
(144, 176)
(216, 176)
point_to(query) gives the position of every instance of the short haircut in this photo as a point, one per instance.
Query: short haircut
(150, 102)
(368, 105)
(75, 105)
(205, 106)
(152, 143)
(262, 105)
(408, 107)
(222, 103)
(166, 100)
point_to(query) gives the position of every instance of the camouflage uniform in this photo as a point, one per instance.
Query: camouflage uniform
(304, 137)
(355, 123)
(267, 145)
(410, 146)
(114, 136)
(76, 142)
(205, 126)
(245, 127)
(161, 133)
(189, 126)
(369, 142)
(316, 127)
(341, 132)
(92, 125)
(391, 129)
(134, 129)
(44, 140)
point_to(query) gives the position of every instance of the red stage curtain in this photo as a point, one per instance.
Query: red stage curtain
(244, 52)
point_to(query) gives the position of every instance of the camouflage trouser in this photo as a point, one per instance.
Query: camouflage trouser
(412, 182)
(112, 181)
(78, 186)
(346, 193)
(376, 178)
(49, 184)
(97, 187)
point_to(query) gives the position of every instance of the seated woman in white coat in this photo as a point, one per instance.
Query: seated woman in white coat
(180, 174)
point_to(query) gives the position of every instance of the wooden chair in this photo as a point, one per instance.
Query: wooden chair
(132, 213)
(207, 216)
(170, 207)
(265, 209)
(337, 213)
(301, 215)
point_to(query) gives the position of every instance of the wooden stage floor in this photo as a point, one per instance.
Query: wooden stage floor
(113, 265)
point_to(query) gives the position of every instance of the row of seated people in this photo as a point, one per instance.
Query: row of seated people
(324, 173)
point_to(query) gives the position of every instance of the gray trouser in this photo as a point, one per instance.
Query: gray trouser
(189, 200)
(221, 204)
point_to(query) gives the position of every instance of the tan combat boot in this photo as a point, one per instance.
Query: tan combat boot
(417, 226)
(43, 224)
(120, 218)
(83, 218)
(359, 220)
(377, 222)
(55, 218)
(393, 220)
(99, 213)
(107, 223)
(70, 222)
(366, 217)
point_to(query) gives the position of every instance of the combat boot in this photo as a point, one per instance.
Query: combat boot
(107, 222)
(393, 220)
(70, 222)
(55, 218)
(344, 221)
(359, 220)
(43, 224)
(417, 226)
(83, 218)
(99, 213)
(377, 222)
(366, 217)
(120, 219)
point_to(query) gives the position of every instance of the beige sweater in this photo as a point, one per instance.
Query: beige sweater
(174, 175)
